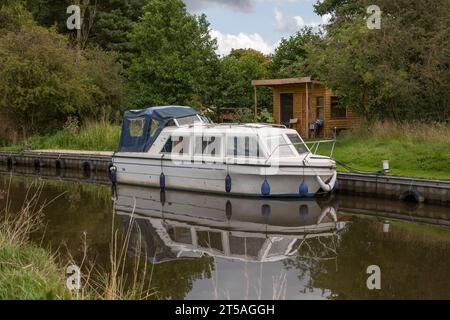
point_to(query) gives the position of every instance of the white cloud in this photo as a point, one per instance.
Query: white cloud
(227, 42)
(238, 5)
(294, 23)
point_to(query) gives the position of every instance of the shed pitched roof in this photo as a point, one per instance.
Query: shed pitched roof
(279, 82)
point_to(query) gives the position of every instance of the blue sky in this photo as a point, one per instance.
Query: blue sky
(257, 24)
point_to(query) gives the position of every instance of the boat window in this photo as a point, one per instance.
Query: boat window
(176, 145)
(188, 120)
(298, 143)
(136, 127)
(179, 234)
(208, 146)
(171, 123)
(210, 240)
(244, 146)
(279, 147)
(154, 127)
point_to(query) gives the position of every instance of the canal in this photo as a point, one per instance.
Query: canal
(199, 246)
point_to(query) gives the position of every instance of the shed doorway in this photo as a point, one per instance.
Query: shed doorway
(286, 108)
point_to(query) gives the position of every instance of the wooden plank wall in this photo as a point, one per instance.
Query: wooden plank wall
(315, 90)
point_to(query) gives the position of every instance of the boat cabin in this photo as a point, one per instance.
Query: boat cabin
(180, 133)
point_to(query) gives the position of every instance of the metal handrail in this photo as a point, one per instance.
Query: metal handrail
(316, 145)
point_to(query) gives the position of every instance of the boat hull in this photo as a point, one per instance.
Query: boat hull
(246, 179)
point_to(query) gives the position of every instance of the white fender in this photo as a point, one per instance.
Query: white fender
(327, 187)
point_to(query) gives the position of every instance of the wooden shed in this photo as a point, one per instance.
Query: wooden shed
(307, 106)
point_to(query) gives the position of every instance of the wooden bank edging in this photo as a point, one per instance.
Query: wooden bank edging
(420, 190)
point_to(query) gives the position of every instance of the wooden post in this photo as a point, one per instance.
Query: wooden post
(307, 110)
(255, 95)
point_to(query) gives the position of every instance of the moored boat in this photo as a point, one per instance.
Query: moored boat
(174, 147)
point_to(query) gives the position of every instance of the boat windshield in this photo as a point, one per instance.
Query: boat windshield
(298, 143)
(279, 147)
(188, 120)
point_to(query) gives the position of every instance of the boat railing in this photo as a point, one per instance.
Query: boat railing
(315, 145)
(273, 125)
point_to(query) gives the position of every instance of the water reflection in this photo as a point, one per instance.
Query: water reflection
(206, 246)
(190, 225)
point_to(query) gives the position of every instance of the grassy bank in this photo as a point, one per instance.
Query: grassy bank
(28, 273)
(416, 150)
(91, 137)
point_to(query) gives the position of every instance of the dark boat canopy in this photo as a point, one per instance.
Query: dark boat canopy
(141, 127)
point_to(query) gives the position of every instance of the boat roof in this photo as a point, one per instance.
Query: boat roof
(162, 113)
(262, 129)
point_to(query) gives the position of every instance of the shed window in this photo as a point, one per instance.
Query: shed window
(337, 111)
(136, 127)
(320, 108)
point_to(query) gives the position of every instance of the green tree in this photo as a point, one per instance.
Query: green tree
(292, 55)
(400, 72)
(43, 81)
(238, 69)
(108, 21)
(14, 16)
(175, 60)
(39, 81)
(106, 83)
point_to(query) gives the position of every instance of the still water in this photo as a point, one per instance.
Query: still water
(200, 246)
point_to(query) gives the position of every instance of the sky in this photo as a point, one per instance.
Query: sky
(256, 24)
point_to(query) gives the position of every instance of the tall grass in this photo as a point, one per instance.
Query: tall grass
(26, 271)
(90, 137)
(30, 272)
(413, 149)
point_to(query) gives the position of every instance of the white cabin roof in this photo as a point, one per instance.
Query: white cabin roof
(245, 129)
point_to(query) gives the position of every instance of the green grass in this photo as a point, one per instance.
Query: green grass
(28, 273)
(416, 150)
(92, 137)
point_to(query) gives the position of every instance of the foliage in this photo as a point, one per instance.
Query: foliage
(40, 80)
(107, 93)
(291, 58)
(111, 21)
(400, 72)
(175, 61)
(237, 71)
(14, 16)
(43, 81)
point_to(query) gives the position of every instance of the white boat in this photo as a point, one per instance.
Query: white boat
(174, 147)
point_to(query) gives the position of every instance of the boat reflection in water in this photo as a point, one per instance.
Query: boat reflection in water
(175, 225)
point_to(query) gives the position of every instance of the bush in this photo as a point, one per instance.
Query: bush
(43, 81)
